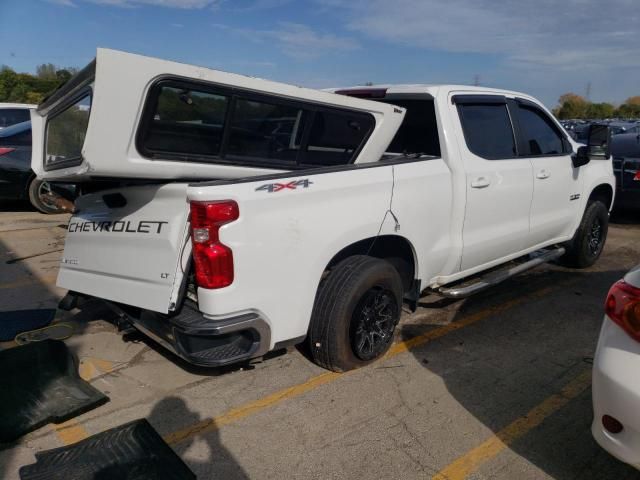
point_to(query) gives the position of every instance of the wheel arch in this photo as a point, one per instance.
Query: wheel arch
(396, 249)
(603, 191)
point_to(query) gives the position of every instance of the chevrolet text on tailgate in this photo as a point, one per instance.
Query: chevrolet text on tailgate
(227, 216)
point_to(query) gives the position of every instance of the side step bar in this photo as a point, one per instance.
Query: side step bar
(496, 277)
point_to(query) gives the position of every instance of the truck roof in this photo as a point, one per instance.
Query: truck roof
(430, 88)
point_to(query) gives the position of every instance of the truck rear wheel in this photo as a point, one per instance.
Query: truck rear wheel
(587, 244)
(355, 314)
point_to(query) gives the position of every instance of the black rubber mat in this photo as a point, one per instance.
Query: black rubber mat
(39, 383)
(18, 321)
(133, 451)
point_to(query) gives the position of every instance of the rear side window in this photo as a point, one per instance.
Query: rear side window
(539, 135)
(65, 134)
(186, 121)
(335, 137)
(265, 131)
(201, 123)
(487, 130)
(11, 116)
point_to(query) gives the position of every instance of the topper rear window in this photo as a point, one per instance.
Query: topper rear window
(65, 134)
(188, 121)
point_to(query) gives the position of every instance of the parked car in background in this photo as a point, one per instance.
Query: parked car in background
(619, 128)
(17, 180)
(12, 113)
(625, 149)
(616, 373)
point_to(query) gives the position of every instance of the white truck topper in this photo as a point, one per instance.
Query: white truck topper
(111, 93)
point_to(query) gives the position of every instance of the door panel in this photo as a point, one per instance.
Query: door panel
(499, 185)
(556, 184)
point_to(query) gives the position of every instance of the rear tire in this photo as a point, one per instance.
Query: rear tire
(36, 188)
(355, 314)
(588, 242)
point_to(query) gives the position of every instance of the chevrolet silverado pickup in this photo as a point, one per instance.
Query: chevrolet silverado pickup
(226, 216)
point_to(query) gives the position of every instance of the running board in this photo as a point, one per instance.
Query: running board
(494, 278)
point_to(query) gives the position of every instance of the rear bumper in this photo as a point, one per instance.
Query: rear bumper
(203, 340)
(616, 392)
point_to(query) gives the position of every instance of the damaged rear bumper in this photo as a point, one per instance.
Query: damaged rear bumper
(200, 339)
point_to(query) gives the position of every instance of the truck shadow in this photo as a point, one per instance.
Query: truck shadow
(500, 368)
(203, 450)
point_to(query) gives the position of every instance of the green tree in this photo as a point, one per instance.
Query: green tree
(572, 105)
(600, 110)
(46, 71)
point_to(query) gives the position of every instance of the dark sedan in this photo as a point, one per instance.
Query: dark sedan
(625, 149)
(17, 180)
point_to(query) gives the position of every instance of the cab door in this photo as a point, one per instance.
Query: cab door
(557, 186)
(499, 185)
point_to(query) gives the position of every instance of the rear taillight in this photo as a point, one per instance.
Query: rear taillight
(5, 150)
(637, 176)
(623, 307)
(213, 261)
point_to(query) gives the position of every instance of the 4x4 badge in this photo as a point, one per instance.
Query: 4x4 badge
(276, 187)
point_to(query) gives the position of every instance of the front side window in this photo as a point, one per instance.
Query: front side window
(539, 136)
(266, 131)
(65, 134)
(487, 130)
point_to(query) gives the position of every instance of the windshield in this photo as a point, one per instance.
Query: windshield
(65, 134)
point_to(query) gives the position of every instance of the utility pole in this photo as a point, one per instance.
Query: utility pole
(476, 80)
(588, 92)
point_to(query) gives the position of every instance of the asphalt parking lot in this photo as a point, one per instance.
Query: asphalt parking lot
(496, 386)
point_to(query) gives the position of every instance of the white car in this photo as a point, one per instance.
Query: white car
(616, 373)
(14, 113)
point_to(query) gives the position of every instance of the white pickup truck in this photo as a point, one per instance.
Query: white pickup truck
(226, 216)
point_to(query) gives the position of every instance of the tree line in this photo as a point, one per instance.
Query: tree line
(571, 105)
(27, 88)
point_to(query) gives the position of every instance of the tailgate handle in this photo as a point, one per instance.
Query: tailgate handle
(114, 200)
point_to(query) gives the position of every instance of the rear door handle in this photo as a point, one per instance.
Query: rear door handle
(480, 182)
(542, 174)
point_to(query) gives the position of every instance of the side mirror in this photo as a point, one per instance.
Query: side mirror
(599, 142)
(581, 157)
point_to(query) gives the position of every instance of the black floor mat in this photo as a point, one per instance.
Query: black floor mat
(39, 383)
(133, 451)
(18, 321)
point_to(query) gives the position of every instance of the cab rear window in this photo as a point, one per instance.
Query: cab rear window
(201, 123)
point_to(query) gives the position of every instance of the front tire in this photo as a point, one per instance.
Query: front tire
(355, 314)
(588, 242)
(37, 188)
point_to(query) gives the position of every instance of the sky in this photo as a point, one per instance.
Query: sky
(542, 47)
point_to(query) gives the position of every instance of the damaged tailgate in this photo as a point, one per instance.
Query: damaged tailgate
(126, 245)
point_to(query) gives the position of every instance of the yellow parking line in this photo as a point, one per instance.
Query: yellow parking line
(72, 431)
(211, 424)
(472, 460)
